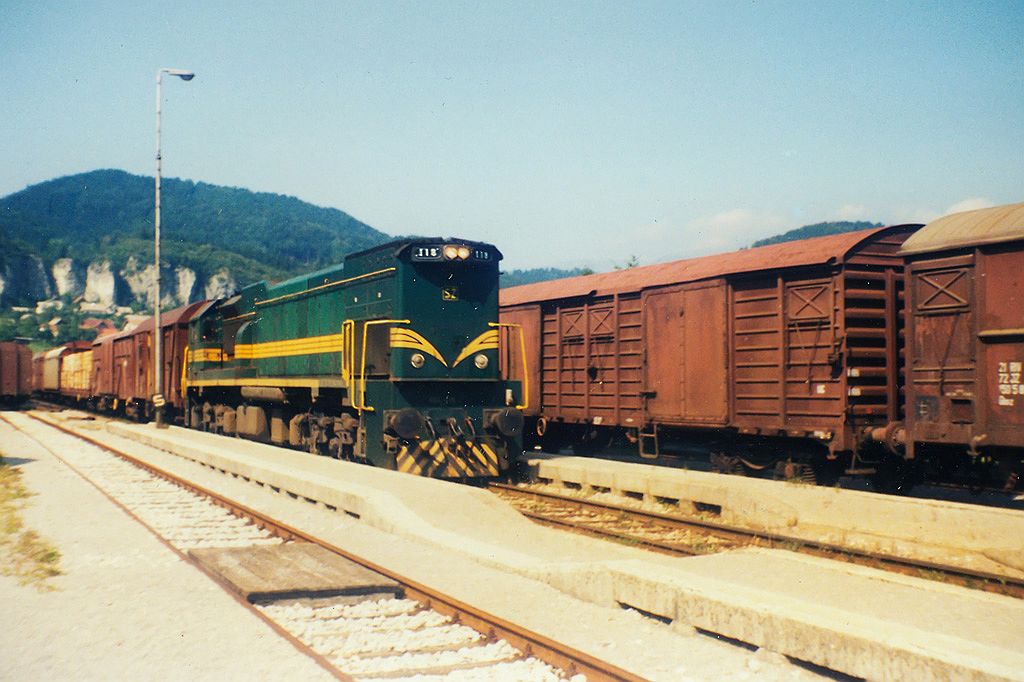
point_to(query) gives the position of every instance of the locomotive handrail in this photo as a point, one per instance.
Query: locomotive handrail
(362, 362)
(348, 351)
(522, 350)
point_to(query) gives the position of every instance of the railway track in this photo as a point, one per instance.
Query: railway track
(684, 535)
(423, 634)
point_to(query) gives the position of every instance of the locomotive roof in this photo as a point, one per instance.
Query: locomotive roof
(398, 245)
(967, 229)
(815, 251)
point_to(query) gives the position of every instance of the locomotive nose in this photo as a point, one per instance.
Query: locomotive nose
(408, 423)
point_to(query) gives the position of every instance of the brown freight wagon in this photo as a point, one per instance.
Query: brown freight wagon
(799, 340)
(965, 331)
(123, 376)
(15, 372)
(102, 373)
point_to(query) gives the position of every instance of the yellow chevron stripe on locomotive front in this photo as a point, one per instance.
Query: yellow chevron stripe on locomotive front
(486, 341)
(407, 338)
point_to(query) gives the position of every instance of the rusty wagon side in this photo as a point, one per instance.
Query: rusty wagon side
(793, 344)
(965, 331)
(15, 371)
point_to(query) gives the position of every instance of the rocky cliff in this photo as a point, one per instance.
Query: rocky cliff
(26, 279)
(23, 280)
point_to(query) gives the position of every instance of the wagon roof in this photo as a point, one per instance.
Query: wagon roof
(969, 228)
(814, 251)
(171, 317)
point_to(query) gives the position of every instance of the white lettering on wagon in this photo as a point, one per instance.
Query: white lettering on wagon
(1008, 378)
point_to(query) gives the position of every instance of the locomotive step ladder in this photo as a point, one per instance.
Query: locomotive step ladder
(648, 442)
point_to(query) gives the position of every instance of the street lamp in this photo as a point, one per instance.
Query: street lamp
(158, 369)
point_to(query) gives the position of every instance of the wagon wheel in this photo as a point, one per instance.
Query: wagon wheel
(795, 472)
(592, 440)
(895, 476)
(722, 463)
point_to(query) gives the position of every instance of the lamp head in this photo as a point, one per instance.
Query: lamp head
(180, 73)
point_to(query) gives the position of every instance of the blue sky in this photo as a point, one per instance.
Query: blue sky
(567, 133)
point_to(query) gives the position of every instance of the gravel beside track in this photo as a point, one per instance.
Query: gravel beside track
(126, 607)
(393, 638)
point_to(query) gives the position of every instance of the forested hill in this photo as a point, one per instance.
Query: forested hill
(109, 213)
(816, 230)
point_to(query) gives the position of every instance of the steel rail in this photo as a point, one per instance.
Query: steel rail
(570, 660)
(992, 582)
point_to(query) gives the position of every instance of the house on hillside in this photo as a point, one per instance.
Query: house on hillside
(133, 321)
(101, 326)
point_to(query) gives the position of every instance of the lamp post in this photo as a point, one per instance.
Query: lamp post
(158, 369)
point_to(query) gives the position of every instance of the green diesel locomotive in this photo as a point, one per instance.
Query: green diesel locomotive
(390, 359)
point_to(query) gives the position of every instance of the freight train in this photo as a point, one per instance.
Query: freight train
(390, 359)
(893, 352)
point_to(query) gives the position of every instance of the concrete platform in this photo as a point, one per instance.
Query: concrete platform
(126, 607)
(973, 537)
(859, 621)
(301, 570)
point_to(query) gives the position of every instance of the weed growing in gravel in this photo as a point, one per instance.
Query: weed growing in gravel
(23, 554)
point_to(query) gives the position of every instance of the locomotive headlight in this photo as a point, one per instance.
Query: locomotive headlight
(451, 252)
(481, 361)
(464, 252)
(417, 360)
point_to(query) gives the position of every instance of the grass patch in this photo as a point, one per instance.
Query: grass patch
(23, 554)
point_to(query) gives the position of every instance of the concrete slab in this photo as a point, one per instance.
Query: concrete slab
(972, 537)
(821, 620)
(845, 617)
(298, 570)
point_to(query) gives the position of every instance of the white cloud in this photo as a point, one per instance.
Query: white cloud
(969, 205)
(852, 212)
(730, 230)
(926, 215)
(660, 240)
